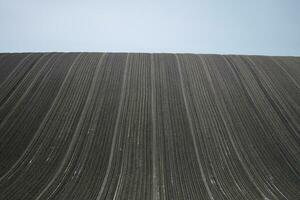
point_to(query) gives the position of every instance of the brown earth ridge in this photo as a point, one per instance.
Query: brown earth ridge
(94, 126)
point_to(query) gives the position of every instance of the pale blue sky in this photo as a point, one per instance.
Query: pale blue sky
(268, 27)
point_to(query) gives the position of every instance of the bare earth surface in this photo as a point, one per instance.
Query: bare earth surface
(95, 126)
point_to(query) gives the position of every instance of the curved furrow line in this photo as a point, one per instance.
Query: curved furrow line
(264, 155)
(285, 118)
(291, 65)
(158, 114)
(286, 72)
(287, 108)
(125, 131)
(287, 144)
(86, 168)
(139, 170)
(20, 72)
(126, 154)
(192, 130)
(160, 126)
(231, 128)
(9, 107)
(208, 129)
(117, 64)
(285, 155)
(269, 154)
(27, 117)
(133, 129)
(9, 63)
(154, 152)
(275, 157)
(172, 189)
(251, 116)
(11, 75)
(205, 162)
(115, 193)
(178, 109)
(61, 121)
(276, 108)
(176, 178)
(105, 187)
(25, 85)
(278, 78)
(286, 93)
(205, 128)
(215, 190)
(91, 62)
(36, 143)
(203, 143)
(246, 187)
(76, 135)
(66, 170)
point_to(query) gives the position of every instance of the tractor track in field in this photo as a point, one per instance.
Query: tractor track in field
(98, 126)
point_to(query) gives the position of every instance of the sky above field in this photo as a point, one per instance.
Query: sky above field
(265, 27)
